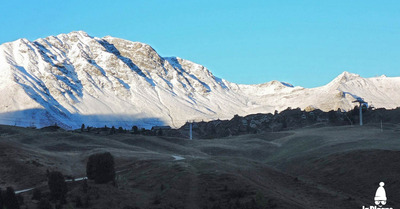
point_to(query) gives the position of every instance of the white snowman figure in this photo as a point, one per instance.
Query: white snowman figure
(380, 196)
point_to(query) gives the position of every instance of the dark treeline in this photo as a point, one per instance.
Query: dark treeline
(258, 123)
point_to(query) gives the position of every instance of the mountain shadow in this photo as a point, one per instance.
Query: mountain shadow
(38, 118)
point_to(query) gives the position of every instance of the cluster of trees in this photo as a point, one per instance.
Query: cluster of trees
(114, 130)
(9, 200)
(100, 168)
(58, 192)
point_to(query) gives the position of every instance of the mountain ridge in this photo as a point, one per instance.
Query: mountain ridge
(74, 78)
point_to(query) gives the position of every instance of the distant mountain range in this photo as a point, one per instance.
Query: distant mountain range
(75, 78)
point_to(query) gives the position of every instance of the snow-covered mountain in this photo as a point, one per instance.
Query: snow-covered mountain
(74, 78)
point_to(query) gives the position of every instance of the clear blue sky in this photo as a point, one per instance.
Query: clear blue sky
(306, 43)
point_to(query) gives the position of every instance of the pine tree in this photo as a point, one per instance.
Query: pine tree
(135, 129)
(58, 187)
(100, 167)
(10, 200)
(112, 130)
(120, 130)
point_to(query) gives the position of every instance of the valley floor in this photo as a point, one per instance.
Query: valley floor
(312, 167)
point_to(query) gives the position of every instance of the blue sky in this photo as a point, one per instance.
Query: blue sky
(306, 43)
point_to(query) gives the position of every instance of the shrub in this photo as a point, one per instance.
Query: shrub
(57, 186)
(10, 201)
(100, 168)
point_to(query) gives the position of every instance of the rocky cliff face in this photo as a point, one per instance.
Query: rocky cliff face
(74, 78)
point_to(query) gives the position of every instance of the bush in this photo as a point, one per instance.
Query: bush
(10, 201)
(100, 168)
(57, 186)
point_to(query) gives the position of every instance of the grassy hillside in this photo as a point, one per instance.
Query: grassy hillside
(318, 167)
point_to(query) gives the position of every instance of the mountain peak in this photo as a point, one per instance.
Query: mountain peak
(348, 76)
(74, 78)
(79, 32)
(344, 77)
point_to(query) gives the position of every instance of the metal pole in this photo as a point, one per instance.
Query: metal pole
(361, 123)
(190, 130)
